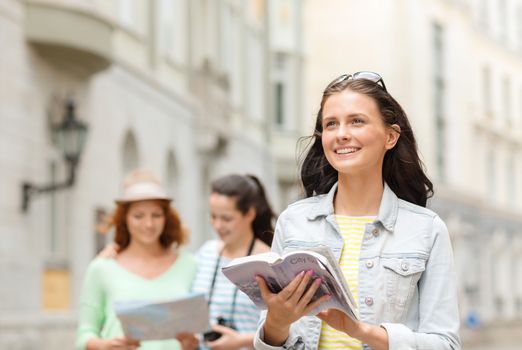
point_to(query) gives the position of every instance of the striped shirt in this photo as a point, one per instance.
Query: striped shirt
(352, 230)
(246, 314)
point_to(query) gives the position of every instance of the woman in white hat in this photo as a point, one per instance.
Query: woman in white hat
(146, 266)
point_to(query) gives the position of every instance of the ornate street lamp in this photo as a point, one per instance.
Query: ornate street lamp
(70, 136)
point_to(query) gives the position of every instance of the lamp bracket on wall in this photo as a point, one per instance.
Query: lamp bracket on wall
(70, 135)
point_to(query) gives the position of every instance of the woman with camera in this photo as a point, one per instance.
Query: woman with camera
(243, 219)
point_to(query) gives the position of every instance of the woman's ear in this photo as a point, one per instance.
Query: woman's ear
(251, 213)
(394, 132)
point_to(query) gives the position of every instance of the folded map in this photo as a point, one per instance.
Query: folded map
(146, 320)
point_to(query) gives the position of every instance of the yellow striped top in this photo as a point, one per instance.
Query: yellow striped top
(352, 230)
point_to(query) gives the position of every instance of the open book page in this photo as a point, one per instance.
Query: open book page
(145, 320)
(279, 272)
(336, 271)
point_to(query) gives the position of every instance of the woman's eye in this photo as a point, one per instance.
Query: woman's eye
(329, 124)
(357, 121)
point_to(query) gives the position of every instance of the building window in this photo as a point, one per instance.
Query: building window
(506, 94)
(499, 305)
(255, 79)
(483, 14)
(486, 92)
(127, 12)
(491, 172)
(519, 27)
(230, 50)
(503, 20)
(227, 35)
(517, 280)
(172, 29)
(130, 154)
(439, 99)
(171, 175)
(517, 117)
(511, 183)
(280, 104)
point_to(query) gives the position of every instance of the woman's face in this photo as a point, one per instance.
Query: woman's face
(354, 136)
(229, 223)
(145, 222)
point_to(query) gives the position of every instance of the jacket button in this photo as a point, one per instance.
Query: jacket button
(405, 266)
(369, 264)
(368, 301)
(375, 232)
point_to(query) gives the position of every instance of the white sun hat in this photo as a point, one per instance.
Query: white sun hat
(140, 191)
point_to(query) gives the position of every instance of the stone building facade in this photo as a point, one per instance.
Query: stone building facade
(181, 87)
(456, 67)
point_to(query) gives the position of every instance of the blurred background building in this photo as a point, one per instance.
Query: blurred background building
(456, 67)
(193, 89)
(182, 87)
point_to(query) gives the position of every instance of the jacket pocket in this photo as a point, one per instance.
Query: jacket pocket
(402, 275)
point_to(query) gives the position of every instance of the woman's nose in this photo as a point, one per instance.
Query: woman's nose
(343, 132)
(216, 224)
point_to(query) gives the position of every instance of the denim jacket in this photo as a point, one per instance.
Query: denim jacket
(406, 274)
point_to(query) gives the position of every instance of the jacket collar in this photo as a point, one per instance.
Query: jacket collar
(388, 208)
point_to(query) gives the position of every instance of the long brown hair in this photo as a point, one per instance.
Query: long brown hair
(173, 232)
(402, 168)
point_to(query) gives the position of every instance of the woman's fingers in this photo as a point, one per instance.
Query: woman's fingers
(301, 288)
(291, 288)
(284, 294)
(294, 291)
(188, 341)
(263, 288)
(309, 307)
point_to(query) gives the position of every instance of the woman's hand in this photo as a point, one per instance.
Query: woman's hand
(288, 306)
(375, 336)
(230, 339)
(340, 321)
(188, 340)
(119, 343)
(110, 251)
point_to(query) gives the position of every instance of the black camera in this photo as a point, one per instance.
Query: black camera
(213, 335)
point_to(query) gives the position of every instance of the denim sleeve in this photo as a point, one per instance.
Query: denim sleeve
(438, 310)
(294, 342)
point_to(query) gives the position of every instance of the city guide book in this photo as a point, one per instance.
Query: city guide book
(279, 271)
(146, 320)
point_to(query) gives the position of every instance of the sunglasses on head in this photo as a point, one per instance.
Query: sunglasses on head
(372, 76)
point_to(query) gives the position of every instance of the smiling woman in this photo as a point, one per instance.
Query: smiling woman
(145, 267)
(355, 138)
(243, 220)
(367, 193)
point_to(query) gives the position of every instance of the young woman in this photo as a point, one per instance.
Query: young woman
(146, 267)
(367, 193)
(243, 221)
